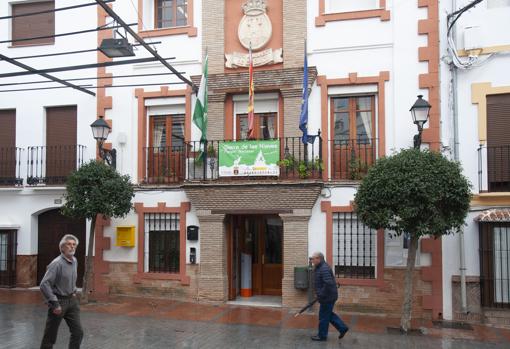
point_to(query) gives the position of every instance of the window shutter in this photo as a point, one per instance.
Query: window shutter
(498, 120)
(33, 26)
(61, 126)
(8, 128)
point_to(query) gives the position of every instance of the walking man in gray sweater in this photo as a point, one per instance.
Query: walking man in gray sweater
(59, 289)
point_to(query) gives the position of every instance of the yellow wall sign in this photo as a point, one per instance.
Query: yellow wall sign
(126, 236)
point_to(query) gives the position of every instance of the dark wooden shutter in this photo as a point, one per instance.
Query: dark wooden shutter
(7, 145)
(33, 26)
(61, 146)
(498, 141)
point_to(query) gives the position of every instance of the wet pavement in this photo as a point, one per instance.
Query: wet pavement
(127, 323)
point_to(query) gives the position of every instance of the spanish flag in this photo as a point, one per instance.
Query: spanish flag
(251, 112)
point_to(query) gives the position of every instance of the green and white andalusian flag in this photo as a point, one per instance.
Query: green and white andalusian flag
(200, 113)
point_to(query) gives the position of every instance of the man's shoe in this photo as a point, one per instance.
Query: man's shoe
(342, 334)
(319, 339)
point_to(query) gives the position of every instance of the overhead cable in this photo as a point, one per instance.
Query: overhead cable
(88, 78)
(65, 34)
(31, 70)
(83, 66)
(95, 87)
(119, 20)
(53, 10)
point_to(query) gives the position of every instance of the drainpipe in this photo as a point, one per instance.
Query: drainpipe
(462, 269)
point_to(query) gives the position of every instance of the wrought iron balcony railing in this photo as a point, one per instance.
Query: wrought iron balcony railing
(51, 165)
(351, 158)
(10, 166)
(494, 168)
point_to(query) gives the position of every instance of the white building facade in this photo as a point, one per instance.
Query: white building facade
(367, 62)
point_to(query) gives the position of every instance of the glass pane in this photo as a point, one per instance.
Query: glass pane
(501, 265)
(243, 126)
(364, 103)
(3, 252)
(341, 126)
(182, 13)
(341, 104)
(273, 244)
(159, 131)
(363, 126)
(268, 126)
(177, 131)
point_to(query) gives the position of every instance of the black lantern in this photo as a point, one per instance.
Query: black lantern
(116, 48)
(420, 113)
(100, 131)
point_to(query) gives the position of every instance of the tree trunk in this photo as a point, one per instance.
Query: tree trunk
(405, 320)
(89, 265)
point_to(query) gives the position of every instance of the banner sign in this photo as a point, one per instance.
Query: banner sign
(249, 158)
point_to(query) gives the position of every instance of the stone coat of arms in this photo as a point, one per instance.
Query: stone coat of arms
(254, 30)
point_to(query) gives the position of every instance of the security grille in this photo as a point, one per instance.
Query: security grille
(162, 242)
(354, 247)
(7, 258)
(495, 264)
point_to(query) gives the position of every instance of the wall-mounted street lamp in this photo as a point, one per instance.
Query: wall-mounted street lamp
(100, 131)
(420, 112)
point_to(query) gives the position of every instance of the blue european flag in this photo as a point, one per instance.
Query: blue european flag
(303, 119)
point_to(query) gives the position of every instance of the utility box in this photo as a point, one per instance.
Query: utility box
(192, 232)
(126, 236)
(301, 278)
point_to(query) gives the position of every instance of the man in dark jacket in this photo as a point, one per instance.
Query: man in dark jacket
(327, 294)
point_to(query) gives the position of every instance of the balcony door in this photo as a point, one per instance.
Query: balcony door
(166, 148)
(498, 142)
(61, 145)
(265, 126)
(353, 136)
(7, 146)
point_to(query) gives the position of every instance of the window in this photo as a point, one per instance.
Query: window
(495, 264)
(498, 143)
(162, 245)
(8, 152)
(353, 143)
(264, 124)
(33, 26)
(8, 258)
(354, 247)
(165, 154)
(171, 13)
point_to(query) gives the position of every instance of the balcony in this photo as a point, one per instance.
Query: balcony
(10, 167)
(351, 159)
(51, 165)
(290, 160)
(494, 168)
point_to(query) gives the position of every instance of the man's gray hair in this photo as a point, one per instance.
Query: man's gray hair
(66, 238)
(318, 254)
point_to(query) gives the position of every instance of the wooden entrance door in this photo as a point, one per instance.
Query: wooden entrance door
(271, 247)
(262, 238)
(52, 227)
(7, 258)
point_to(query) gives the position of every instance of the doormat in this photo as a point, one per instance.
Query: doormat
(456, 325)
(410, 332)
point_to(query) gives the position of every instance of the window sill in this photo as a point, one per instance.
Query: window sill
(139, 277)
(382, 13)
(190, 31)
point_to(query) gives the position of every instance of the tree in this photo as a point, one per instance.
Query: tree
(418, 193)
(96, 189)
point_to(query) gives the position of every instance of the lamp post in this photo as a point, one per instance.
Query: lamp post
(100, 131)
(420, 113)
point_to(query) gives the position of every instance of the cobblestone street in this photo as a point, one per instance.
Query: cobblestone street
(141, 323)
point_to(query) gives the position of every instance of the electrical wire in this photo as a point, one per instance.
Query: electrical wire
(472, 61)
(94, 87)
(88, 78)
(65, 34)
(53, 10)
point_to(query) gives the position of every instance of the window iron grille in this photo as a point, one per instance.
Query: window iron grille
(162, 242)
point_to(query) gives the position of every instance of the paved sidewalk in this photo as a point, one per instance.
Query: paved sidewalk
(148, 323)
